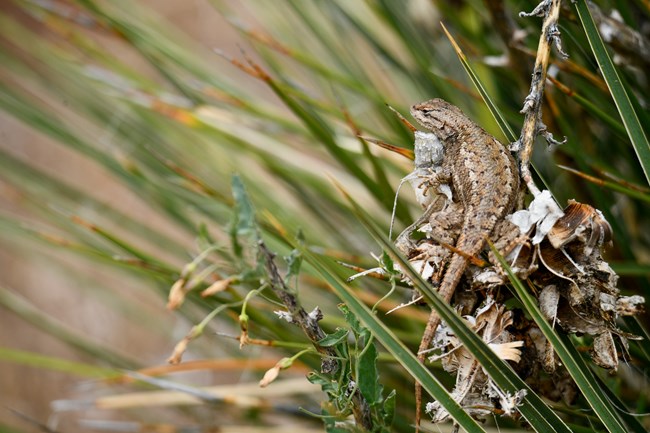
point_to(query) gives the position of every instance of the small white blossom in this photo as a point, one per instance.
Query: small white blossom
(284, 315)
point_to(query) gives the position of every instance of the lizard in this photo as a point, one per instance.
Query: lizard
(483, 177)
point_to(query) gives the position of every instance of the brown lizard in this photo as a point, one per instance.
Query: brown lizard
(483, 177)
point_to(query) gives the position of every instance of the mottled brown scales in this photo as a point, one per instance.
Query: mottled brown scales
(483, 177)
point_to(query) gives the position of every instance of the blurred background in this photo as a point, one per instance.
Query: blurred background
(121, 127)
(77, 296)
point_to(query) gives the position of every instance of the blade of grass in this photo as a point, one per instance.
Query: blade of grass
(500, 119)
(36, 184)
(320, 130)
(38, 360)
(27, 111)
(607, 184)
(592, 108)
(631, 420)
(151, 261)
(13, 228)
(621, 99)
(635, 326)
(631, 269)
(33, 315)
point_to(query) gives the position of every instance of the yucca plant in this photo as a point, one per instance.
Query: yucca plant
(257, 195)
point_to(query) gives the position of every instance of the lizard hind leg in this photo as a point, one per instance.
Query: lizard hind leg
(445, 225)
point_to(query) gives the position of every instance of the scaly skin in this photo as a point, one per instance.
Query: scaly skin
(483, 177)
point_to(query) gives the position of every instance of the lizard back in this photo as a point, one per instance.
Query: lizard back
(483, 177)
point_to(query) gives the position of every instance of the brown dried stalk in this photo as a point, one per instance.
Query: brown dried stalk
(533, 126)
(308, 322)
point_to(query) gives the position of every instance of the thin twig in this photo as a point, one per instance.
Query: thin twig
(550, 10)
(306, 321)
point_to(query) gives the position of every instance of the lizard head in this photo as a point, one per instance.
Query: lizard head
(433, 114)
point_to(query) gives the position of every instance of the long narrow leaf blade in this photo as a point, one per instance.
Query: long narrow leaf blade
(496, 113)
(621, 99)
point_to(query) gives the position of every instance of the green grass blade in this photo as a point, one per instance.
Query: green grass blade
(569, 356)
(621, 99)
(614, 186)
(496, 113)
(317, 126)
(38, 360)
(35, 184)
(147, 259)
(4, 428)
(635, 326)
(28, 112)
(20, 306)
(615, 125)
(631, 269)
(631, 420)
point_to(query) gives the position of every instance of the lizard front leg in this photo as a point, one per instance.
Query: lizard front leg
(433, 181)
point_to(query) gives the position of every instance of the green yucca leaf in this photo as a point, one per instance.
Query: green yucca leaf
(23, 308)
(614, 186)
(630, 268)
(627, 111)
(643, 345)
(496, 113)
(631, 420)
(615, 125)
(38, 184)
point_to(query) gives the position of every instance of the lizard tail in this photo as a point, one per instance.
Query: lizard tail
(447, 287)
(427, 338)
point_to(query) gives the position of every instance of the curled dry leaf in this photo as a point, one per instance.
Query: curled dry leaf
(473, 389)
(579, 220)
